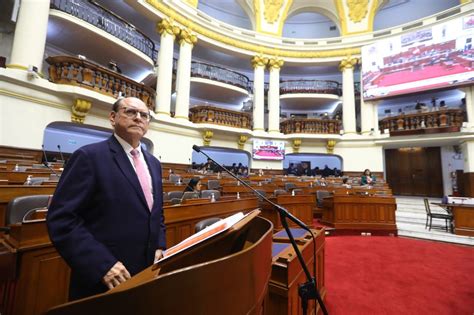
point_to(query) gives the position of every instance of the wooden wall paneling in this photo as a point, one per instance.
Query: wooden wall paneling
(468, 184)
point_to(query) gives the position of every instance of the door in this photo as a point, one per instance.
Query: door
(414, 171)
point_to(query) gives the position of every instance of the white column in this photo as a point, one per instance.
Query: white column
(375, 117)
(187, 40)
(168, 32)
(348, 99)
(366, 116)
(469, 106)
(258, 63)
(274, 65)
(30, 35)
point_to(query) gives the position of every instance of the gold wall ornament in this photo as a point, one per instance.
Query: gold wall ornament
(259, 61)
(207, 136)
(272, 10)
(358, 9)
(241, 141)
(275, 63)
(168, 11)
(330, 146)
(348, 63)
(193, 3)
(168, 26)
(296, 145)
(187, 36)
(79, 110)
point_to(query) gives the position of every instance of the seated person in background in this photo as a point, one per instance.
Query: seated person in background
(306, 170)
(345, 184)
(321, 181)
(194, 185)
(208, 167)
(316, 171)
(291, 170)
(326, 171)
(260, 172)
(367, 178)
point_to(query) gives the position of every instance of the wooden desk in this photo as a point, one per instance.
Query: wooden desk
(300, 206)
(463, 217)
(287, 274)
(8, 192)
(36, 277)
(375, 214)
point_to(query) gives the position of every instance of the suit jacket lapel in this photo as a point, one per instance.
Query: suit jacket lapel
(126, 167)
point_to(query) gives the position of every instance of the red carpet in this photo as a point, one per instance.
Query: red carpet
(392, 275)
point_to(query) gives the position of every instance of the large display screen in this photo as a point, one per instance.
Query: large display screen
(268, 150)
(431, 58)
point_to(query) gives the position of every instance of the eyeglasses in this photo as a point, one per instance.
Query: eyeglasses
(132, 113)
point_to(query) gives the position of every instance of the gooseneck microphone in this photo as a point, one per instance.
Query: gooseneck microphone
(307, 290)
(45, 157)
(61, 154)
(51, 169)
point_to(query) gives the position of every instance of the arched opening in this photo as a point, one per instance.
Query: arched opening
(63, 138)
(223, 156)
(317, 162)
(309, 24)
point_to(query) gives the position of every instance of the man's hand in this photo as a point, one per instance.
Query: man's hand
(116, 275)
(158, 254)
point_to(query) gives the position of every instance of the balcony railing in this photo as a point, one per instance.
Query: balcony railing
(212, 115)
(216, 73)
(100, 17)
(310, 125)
(310, 86)
(442, 120)
(79, 72)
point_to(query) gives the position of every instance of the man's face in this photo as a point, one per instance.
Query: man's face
(129, 125)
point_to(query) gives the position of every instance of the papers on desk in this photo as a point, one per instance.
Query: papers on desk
(201, 236)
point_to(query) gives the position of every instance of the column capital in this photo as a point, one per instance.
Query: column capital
(187, 36)
(330, 146)
(259, 61)
(168, 26)
(275, 63)
(348, 63)
(241, 141)
(207, 136)
(296, 145)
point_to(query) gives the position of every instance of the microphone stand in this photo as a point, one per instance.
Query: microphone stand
(307, 290)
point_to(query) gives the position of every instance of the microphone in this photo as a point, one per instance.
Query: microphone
(45, 157)
(61, 154)
(308, 289)
(51, 169)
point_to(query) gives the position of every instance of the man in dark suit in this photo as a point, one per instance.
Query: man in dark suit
(106, 217)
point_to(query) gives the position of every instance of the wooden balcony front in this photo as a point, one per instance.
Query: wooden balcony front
(439, 121)
(84, 73)
(219, 116)
(307, 125)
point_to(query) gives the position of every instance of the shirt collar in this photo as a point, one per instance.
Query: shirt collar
(126, 146)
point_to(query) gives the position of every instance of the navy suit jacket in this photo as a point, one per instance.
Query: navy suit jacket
(99, 215)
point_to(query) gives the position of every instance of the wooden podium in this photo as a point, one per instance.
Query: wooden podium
(226, 274)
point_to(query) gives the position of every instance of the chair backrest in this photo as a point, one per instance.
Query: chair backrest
(320, 194)
(205, 223)
(277, 192)
(190, 195)
(19, 206)
(427, 206)
(175, 194)
(207, 193)
(174, 178)
(289, 186)
(213, 184)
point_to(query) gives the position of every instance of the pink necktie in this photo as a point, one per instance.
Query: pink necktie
(142, 177)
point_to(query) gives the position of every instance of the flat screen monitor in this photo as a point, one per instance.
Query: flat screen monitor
(432, 58)
(268, 150)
